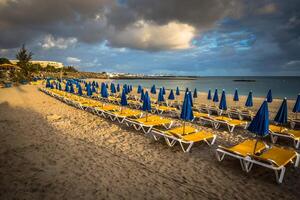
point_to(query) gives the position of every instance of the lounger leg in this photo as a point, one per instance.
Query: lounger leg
(168, 127)
(219, 157)
(248, 165)
(121, 120)
(216, 125)
(243, 165)
(137, 127)
(296, 143)
(230, 128)
(273, 138)
(170, 143)
(297, 160)
(156, 138)
(280, 175)
(145, 129)
(98, 113)
(113, 118)
(240, 117)
(293, 125)
(127, 123)
(212, 142)
(188, 148)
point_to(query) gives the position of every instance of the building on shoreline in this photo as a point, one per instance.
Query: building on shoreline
(43, 63)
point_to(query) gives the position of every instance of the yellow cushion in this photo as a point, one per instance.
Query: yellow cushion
(278, 156)
(166, 108)
(179, 130)
(294, 133)
(199, 136)
(247, 147)
(198, 114)
(276, 129)
(157, 122)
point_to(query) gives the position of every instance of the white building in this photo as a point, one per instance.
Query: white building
(43, 63)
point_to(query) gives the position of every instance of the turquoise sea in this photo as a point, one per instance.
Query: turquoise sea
(281, 86)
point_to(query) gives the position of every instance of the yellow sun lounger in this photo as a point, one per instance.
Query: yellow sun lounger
(230, 123)
(240, 113)
(207, 119)
(277, 131)
(147, 123)
(294, 123)
(241, 151)
(114, 100)
(185, 136)
(105, 109)
(134, 104)
(275, 158)
(164, 109)
(199, 115)
(121, 115)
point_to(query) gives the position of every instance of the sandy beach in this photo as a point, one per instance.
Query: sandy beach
(49, 150)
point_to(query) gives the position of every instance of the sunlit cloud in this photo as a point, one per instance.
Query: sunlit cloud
(59, 43)
(73, 60)
(147, 35)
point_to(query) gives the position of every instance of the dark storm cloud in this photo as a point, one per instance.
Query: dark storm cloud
(23, 20)
(92, 20)
(200, 13)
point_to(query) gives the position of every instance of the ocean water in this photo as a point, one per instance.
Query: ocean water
(281, 86)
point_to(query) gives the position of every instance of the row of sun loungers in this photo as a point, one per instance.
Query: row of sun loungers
(204, 118)
(249, 153)
(153, 124)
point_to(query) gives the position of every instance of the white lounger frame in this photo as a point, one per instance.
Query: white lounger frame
(171, 140)
(217, 124)
(274, 136)
(145, 128)
(247, 163)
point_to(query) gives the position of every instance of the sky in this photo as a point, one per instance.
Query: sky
(175, 37)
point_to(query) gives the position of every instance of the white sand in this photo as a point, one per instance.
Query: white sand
(49, 150)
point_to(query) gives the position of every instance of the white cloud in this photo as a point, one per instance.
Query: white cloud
(73, 60)
(147, 35)
(293, 63)
(4, 51)
(59, 43)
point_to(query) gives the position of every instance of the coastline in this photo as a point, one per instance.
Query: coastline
(202, 99)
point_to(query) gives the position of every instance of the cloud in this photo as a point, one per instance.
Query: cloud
(60, 43)
(73, 60)
(293, 63)
(268, 9)
(93, 21)
(145, 35)
(199, 13)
